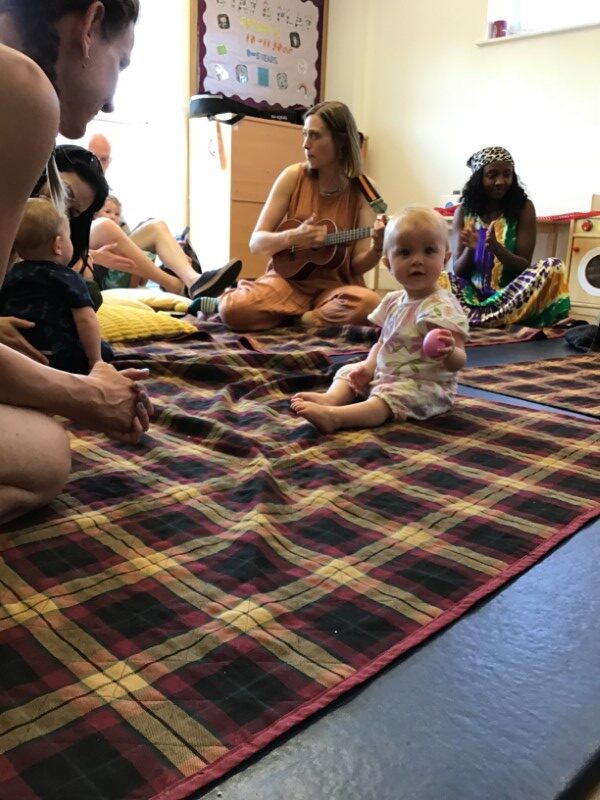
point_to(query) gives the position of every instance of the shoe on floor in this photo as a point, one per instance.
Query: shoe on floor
(214, 283)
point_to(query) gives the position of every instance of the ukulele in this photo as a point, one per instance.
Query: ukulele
(289, 263)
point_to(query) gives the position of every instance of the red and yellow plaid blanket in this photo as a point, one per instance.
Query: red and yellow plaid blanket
(570, 383)
(189, 599)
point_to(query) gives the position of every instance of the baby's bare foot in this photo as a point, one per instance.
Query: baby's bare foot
(309, 397)
(322, 417)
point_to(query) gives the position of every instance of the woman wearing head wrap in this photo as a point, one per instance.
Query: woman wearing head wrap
(493, 238)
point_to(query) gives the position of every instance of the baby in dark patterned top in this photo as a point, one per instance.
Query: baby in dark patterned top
(45, 291)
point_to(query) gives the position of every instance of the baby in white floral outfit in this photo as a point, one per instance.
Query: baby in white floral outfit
(397, 380)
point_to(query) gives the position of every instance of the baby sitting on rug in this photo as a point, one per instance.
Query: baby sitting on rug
(408, 374)
(45, 291)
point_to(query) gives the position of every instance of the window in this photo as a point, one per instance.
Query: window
(526, 17)
(148, 129)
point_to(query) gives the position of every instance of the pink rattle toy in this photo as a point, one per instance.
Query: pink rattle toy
(434, 342)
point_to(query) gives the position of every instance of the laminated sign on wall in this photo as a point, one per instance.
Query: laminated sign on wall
(262, 52)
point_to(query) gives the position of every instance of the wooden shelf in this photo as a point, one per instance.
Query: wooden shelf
(232, 169)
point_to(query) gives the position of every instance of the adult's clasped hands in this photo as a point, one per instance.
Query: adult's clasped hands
(113, 402)
(118, 405)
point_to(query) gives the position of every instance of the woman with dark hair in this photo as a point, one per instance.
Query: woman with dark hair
(325, 187)
(59, 65)
(493, 238)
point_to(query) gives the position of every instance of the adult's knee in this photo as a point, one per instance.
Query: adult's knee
(39, 462)
(160, 226)
(156, 229)
(58, 464)
(105, 230)
(234, 311)
(50, 474)
(359, 314)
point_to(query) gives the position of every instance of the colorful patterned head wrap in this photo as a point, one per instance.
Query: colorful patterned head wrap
(487, 155)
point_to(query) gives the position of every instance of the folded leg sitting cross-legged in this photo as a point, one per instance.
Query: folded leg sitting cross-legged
(325, 188)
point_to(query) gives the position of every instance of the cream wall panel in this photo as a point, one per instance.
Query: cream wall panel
(428, 97)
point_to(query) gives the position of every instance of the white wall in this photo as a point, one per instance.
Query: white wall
(148, 129)
(428, 97)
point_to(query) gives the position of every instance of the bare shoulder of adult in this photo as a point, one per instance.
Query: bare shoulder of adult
(28, 127)
(265, 239)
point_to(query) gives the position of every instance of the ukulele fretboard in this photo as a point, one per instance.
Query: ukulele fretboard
(341, 237)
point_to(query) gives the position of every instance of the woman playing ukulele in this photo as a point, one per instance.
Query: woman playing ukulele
(323, 188)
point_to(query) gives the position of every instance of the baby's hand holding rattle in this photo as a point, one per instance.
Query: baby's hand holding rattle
(438, 343)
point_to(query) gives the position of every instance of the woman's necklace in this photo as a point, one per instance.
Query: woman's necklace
(332, 192)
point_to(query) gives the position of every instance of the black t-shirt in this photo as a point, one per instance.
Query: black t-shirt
(45, 293)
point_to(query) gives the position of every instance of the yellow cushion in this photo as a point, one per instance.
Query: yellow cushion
(153, 298)
(123, 323)
(124, 302)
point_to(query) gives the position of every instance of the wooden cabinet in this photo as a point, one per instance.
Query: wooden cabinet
(232, 168)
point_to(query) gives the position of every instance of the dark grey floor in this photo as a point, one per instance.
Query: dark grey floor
(502, 705)
(516, 353)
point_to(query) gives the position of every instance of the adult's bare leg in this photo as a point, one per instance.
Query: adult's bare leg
(35, 460)
(105, 231)
(155, 236)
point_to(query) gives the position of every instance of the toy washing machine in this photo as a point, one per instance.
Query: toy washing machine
(583, 262)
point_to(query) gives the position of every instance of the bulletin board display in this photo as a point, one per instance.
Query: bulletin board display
(265, 53)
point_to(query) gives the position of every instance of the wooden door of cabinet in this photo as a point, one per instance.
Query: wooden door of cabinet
(232, 169)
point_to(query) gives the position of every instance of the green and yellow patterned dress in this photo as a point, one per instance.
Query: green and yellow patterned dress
(495, 296)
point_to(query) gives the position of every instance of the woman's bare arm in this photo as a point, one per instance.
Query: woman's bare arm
(366, 253)
(463, 244)
(28, 129)
(265, 239)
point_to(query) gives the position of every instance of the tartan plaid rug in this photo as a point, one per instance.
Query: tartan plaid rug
(344, 340)
(512, 335)
(187, 600)
(356, 339)
(568, 383)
